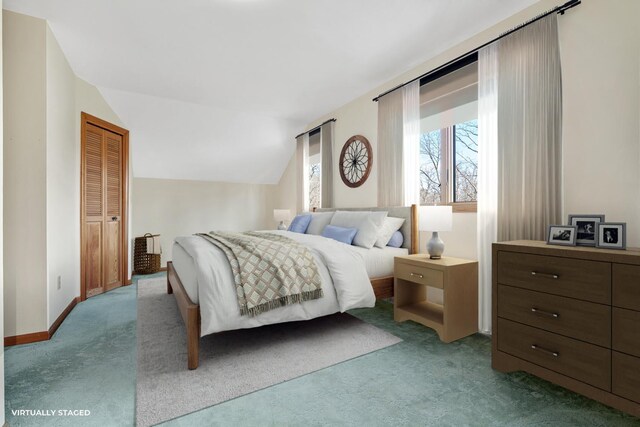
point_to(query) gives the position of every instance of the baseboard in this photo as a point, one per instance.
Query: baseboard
(43, 335)
(26, 338)
(63, 315)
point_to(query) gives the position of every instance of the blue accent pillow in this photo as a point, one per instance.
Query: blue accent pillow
(300, 224)
(341, 234)
(397, 239)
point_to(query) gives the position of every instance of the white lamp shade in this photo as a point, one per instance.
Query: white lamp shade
(436, 218)
(281, 215)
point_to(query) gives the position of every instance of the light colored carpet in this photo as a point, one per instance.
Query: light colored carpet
(232, 363)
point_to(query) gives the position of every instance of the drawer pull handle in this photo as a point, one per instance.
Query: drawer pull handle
(551, 275)
(544, 313)
(416, 275)
(544, 350)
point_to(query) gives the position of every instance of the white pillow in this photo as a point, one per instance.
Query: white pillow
(319, 220)
(389, 226)
(367, 223)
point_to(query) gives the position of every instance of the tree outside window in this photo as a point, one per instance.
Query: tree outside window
(449, 164)
(314, 185)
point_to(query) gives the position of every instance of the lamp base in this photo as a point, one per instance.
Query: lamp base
(435, 246)
(281, 226)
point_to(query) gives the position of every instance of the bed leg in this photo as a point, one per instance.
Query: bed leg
(193, 348)
(193, 341)
(169, 288)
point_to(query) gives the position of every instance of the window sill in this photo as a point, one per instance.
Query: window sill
(462, 207)
(466, 207)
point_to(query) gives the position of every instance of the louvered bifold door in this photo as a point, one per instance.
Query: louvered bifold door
(93, 200)
(112, 221)
(102, 207)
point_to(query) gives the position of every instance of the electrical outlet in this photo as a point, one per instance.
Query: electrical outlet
(59, 282)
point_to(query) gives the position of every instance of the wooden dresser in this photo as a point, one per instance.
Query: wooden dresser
(570, 315)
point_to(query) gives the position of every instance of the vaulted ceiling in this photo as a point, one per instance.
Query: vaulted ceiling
(217, 89)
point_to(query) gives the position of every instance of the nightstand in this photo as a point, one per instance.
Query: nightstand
(457, 317)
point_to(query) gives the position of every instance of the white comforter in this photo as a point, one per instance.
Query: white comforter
(345, 284)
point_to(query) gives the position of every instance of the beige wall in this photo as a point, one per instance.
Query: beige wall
(600, 59)
(41, 174)
(1, 236)
(62, 171)
(25, 132)
(178, 208)
(600, 46)
(283, 195)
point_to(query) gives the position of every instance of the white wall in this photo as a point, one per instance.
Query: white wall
(63, 188)
(180, 208)
(25, 238)
(599, 51)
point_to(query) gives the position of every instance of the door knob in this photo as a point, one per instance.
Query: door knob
(114, 218)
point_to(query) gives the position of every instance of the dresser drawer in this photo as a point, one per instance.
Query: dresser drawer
(626, 331)
(626, 286)
(626, 376)
(576, 359)
(586, 321)
(419, 274)
(574, 278)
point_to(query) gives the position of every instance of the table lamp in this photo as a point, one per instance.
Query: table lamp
(435, 218)
(280, 216)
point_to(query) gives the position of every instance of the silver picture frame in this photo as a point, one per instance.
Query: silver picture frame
(586, 224)
(611, 235)
(563, 235)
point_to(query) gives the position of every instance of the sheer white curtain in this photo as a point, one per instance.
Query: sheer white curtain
(529, 131)
(519, 143)
(487, 176)
(326, 148)
(399, 146)
(411, 142)
(302, 172)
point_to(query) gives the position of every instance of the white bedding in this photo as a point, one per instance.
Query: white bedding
(379, 262)
(342, 270)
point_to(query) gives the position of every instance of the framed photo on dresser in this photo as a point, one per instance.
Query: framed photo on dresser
(586, 224)
(611, 235)
(564, 235)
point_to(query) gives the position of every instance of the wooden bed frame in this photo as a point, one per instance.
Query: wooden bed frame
(190, 312)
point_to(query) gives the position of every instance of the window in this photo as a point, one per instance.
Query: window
(449, 140)
(315, 170)
(449, 164)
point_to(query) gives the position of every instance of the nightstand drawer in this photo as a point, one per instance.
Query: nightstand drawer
(419, 274)
(574, 278)
(626, 331)
(586, 321)
(576, 359)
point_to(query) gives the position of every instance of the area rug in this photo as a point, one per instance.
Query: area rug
(232, 363)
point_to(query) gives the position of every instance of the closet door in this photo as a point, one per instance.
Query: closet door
(113, 197)
(103, 213)
(94, 211)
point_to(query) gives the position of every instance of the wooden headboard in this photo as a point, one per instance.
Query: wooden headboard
(409, 229)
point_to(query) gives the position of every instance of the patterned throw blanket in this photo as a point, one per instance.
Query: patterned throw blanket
(269, 270)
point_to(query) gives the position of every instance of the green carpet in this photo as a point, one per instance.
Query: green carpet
(90, 364)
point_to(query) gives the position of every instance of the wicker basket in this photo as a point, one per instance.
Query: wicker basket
(144, 263)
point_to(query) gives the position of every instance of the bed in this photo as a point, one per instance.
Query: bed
(211, 309)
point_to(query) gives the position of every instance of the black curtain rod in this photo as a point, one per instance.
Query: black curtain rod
(558, 9)
(315, 128)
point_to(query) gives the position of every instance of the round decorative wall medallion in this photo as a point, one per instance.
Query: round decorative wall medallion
(356, 159)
